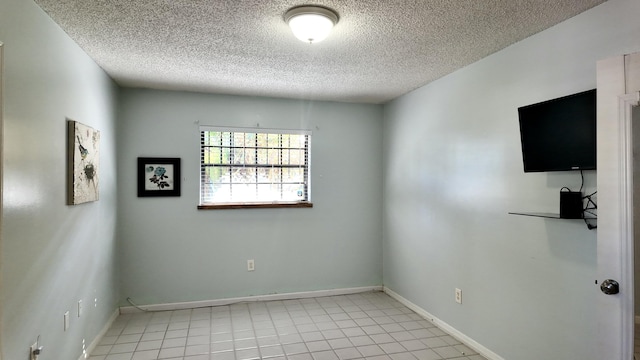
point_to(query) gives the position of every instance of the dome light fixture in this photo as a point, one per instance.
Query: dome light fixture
(311, 24)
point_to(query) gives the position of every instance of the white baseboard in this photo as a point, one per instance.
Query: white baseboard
(445, 327)
(228, 301)
(100, 335)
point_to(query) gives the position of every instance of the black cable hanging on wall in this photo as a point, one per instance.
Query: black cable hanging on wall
(590, 206)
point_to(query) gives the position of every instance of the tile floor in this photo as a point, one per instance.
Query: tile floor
(361, 326)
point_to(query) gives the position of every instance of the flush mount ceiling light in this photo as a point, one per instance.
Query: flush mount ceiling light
(311, 24)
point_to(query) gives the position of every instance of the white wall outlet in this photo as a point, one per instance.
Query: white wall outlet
(33, 351)
(66, 321)
(79, 308)
(458, 296)
(251, 265)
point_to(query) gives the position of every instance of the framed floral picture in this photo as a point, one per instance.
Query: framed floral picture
(158, 176)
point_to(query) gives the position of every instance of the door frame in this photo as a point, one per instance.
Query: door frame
(1, 177)
(618, 84)
(626, 105)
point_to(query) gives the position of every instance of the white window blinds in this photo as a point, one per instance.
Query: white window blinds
(247, 166)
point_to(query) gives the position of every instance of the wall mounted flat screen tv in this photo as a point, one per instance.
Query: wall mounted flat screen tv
(559, 134)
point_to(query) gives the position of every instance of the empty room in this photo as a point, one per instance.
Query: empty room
(197, 180)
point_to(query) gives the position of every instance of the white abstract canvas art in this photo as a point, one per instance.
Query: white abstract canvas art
(84, 156)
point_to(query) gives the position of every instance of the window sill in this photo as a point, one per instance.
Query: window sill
(256, 206)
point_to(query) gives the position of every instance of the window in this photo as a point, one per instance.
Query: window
(254, 168)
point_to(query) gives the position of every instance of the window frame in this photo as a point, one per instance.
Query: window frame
(305, 203)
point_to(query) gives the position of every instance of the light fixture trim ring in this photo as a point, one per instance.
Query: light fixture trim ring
(311, 9)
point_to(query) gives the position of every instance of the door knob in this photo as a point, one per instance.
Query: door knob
(610, 287)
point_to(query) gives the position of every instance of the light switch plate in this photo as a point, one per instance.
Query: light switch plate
(66, 321)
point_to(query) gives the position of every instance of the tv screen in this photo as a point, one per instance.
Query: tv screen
(559, 134)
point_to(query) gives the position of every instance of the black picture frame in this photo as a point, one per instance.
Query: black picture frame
(158, 176)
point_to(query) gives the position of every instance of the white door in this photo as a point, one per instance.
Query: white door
(618, 85)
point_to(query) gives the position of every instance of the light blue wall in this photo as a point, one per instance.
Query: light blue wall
(52, 254)
(172, 252)
(453, 170)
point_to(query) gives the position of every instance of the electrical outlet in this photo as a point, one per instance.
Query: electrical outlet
(33, 351)
(458, 296)
(66, 321)
(251, 265)
(79, 308)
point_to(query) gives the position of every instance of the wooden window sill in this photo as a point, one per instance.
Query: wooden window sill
(256, 206)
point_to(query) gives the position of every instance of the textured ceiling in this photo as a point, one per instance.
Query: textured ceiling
(379, 50)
